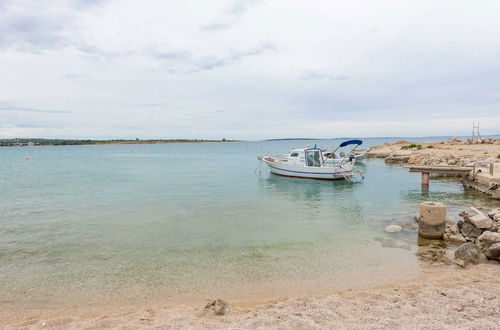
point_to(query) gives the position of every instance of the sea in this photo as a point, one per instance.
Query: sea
(103, 225)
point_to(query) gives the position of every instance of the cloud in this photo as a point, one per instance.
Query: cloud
(75, 76)
(150, 105)
(216, 27)
(239, 7)
(316, 75)
(186, 62)
(32, 26)
(88, 3)
(31, 32)
(164, 67)
(11, 108)
(231, 15)
(174, 55)
(214, 62)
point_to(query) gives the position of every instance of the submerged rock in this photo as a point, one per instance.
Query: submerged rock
(432, 252)
(392, 243)
(393, 228)
(468, 253)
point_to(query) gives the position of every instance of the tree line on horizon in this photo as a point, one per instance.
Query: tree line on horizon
(58, 142)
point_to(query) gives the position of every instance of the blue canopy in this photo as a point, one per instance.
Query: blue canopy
(346, 143)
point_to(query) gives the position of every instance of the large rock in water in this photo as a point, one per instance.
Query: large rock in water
(468, 253)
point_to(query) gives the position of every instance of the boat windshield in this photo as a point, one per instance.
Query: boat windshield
(313, 158)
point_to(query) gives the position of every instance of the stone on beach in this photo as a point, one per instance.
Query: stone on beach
(480, 220)
(455, 238)
(469, 231)
(469, 253)
(487, 239)
(494, 214)
(219, 306)
(493, 251)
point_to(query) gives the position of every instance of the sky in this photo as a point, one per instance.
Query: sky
(248, 69)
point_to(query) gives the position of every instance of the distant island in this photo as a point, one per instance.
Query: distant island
(68, 142)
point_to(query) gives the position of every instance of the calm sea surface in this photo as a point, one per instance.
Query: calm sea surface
(185, 222)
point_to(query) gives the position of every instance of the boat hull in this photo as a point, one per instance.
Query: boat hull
(318, 173)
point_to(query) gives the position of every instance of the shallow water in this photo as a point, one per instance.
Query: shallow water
(183, 222)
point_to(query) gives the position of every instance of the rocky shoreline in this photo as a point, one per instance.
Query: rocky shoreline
(479, 233)
(453, 152)
(483, 159)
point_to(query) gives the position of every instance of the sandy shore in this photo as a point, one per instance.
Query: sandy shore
(449, 298)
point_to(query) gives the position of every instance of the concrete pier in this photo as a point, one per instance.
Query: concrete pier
(431, 220)
(442, 170)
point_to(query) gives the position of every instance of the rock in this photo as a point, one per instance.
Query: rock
(393, 228)
(468, 253)
(470, 232)
(410, 226)
(494, 214)
(392, 243)
(479, 219)
(493, 251)
(487, 239)
(219, 306)
(452, 228)
(455, 238)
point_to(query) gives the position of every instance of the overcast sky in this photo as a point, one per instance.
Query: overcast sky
(248, 69)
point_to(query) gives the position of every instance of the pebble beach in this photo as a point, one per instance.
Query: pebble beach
(442, 299)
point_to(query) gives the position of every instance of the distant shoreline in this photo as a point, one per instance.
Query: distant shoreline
(73, 142)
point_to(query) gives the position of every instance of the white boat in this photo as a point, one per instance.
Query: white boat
(310, 163)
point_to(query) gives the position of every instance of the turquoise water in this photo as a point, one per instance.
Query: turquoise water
(183, 222)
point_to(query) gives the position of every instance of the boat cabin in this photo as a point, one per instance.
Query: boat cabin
(312, 157)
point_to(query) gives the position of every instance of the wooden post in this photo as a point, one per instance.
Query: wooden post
(491, 169)
(425, 179)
